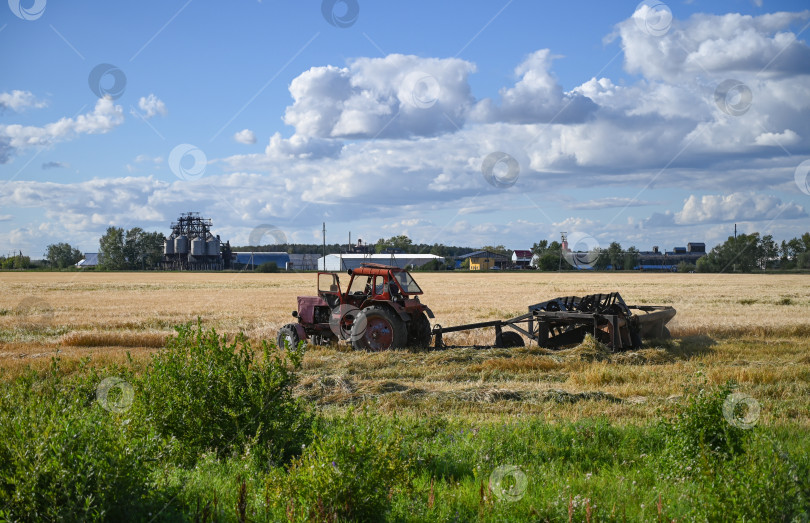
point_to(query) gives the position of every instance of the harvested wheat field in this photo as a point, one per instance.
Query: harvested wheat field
(752, 329)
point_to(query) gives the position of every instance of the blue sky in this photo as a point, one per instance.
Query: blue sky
(648, 124)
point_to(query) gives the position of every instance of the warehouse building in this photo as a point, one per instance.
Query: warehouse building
(250, 260)
(303, 262)
(342, 262)
(90, 260)
(657, 260)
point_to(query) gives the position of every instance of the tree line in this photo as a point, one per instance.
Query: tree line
(401, 243)
(135, 248)
(750, 252)
(131, 249)
(549, 257)
(16, 261)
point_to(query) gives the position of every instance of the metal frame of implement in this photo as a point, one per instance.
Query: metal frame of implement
(565, 321)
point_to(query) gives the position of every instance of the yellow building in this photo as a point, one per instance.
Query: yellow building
(485, 260)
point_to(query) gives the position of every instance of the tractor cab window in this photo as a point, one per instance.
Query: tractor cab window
(379, 285)
(407, 283)
(360, 285)
(328, 282)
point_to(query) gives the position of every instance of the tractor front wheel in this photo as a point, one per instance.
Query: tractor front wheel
(377, 328)
(288, 337)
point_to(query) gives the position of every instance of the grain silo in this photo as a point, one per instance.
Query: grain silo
(212, 247)
(191, 246)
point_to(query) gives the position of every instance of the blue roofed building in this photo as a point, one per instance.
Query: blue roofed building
(250, 260)
(90, 260)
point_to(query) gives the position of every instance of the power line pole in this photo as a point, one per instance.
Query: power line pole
(736, 249)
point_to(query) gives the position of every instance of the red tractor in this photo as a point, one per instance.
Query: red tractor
(380, 310)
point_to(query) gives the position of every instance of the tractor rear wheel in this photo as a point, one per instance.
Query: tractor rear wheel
(419, 331)
(377, 328)
(511, 339)
(288, 337)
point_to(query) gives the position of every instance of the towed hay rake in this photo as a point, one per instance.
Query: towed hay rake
(565, 321)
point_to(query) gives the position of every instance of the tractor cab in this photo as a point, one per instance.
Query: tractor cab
(375, 282)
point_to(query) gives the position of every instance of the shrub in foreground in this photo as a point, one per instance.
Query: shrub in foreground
(209, 394)
(700, 429)
(351, 471)
(64, 457)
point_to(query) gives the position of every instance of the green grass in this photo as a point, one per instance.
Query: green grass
(209, 430)
(444, 472)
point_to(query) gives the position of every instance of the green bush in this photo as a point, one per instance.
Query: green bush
(209, 394)
(64, 457)
(686, 267)
(700, 432)
(267, 267)
(350, 471)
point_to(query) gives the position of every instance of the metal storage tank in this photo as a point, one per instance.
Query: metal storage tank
(198, 247)
(168, 246)
(181, 244)
(212, 247)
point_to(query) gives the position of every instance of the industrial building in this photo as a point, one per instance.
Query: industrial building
(342, 262)
(251, 260)
(656, 260)
(303, 262)
(192, 246)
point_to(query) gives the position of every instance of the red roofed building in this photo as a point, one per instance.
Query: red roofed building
(521, 258)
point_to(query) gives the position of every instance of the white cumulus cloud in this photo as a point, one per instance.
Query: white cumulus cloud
(395, 96)
(711, 208)
(19, 100)
(151, 106)
(721, 44)
(245, 136)
(105, 117)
